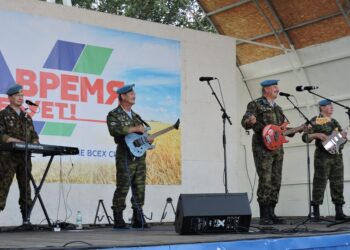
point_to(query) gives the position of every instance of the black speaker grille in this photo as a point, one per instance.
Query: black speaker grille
(212, 213)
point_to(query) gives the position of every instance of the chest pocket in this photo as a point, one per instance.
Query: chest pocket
(268, 115)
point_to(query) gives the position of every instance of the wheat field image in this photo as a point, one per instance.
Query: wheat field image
(163, 164)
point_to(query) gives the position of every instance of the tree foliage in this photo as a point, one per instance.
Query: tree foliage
(181, 13)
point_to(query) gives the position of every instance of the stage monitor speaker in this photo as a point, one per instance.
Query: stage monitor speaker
(212, 213)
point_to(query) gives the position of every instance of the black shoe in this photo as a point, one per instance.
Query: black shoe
(138, 219)
(25, 217)
(119, 220)
(264, 215)
(273, 216)
(339, 214)
(315, 213)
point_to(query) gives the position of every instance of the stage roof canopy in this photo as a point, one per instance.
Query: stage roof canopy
(281, 24)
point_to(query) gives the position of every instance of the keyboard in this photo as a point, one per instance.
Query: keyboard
(39, 148)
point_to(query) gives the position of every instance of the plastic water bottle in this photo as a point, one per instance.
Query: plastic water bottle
(79, 221)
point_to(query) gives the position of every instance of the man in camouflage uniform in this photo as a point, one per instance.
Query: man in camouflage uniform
(261, 112)
(327, 166)
(131, 171)
(13, 123)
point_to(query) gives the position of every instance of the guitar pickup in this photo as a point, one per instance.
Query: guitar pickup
(141, 141)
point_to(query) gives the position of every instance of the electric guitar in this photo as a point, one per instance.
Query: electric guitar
(138, 143)
(274, 135)
(334, 141)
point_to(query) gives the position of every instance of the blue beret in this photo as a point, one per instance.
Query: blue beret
(267, 83)
(324, 102)
(14, 89)
(125, 89)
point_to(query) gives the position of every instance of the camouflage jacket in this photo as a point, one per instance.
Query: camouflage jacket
(265, 114)
(14, 125)
(119, 122)
(326, 128)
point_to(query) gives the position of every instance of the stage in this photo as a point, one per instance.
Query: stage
(293, 235)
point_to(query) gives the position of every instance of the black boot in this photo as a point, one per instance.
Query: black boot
(273, 217)
(339, 215)
(264, 215)
(119, 220)
(25, 217)
(138, 219)
(315, 213)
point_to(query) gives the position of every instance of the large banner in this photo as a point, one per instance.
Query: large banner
(71, 71)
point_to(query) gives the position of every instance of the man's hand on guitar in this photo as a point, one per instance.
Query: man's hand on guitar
(320, 136)
(138, 129)
(138, 144)
(305, 128)
(344, 134)
(251, 120)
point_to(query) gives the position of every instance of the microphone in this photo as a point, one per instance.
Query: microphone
(284, 94)
(31, 103)
(206, 78)
(302, 88)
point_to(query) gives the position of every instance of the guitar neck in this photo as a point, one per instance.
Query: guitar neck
(163, 131)
(293, 130)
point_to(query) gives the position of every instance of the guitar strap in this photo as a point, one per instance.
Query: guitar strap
(284, 117)
(141, 120)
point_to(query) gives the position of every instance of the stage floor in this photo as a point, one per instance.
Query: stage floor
(100, 236)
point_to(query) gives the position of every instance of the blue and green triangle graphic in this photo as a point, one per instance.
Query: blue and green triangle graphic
(6, 78)
(78, 57)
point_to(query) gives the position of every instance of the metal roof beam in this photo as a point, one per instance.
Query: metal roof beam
(239, 41)
(200, 6)
(227, 7)
(270, 25)
(295, 26)
(279, 21)
(347, 20)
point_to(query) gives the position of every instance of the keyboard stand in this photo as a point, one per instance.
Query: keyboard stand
(45, 150)
(37, 190)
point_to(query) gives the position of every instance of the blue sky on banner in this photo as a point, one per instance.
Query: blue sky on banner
(153, 64)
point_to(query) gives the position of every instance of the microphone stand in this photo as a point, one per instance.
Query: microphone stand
(348, 113)
(26, 219)
(308, 122)
(224, 118)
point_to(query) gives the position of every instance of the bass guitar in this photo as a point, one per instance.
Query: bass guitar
(274, 135)
(138, 143)
(333, 142)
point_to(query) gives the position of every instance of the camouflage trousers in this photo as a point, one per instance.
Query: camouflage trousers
(328, 167)
(12, 164)
(269, 168)
(129, 173)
